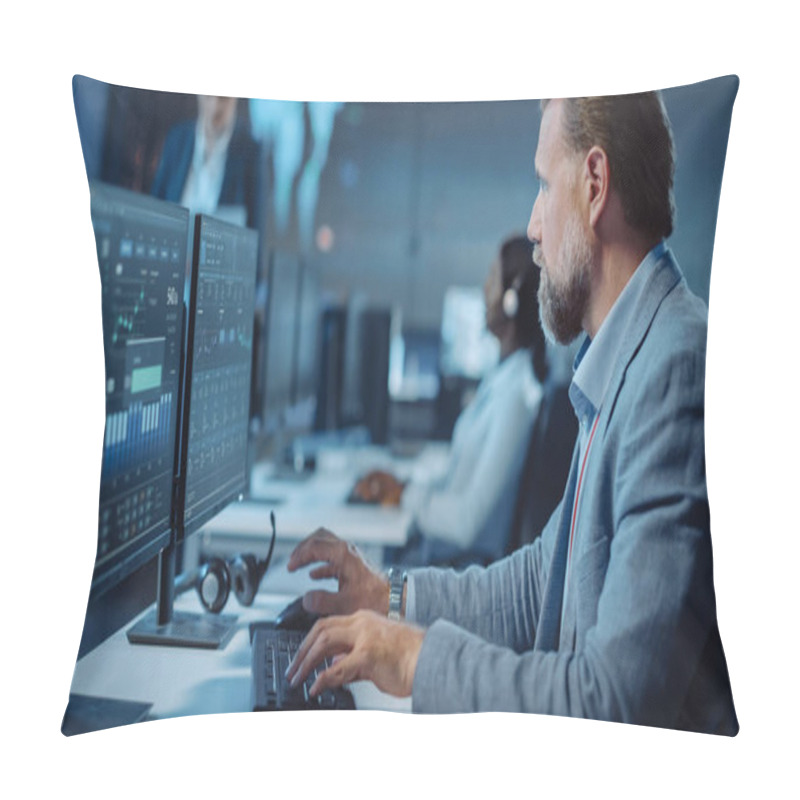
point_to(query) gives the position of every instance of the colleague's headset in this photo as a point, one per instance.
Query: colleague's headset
(511, 295)
(215, 578)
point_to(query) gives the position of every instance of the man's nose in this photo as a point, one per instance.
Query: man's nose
(534, 224)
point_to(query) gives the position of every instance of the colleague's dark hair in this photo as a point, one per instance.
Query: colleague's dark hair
(634, 132)
(516, 262)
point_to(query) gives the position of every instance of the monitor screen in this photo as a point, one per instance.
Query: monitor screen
(467, 348)
(281, 328)
(416, 376)
(218, 368)
(141, 250)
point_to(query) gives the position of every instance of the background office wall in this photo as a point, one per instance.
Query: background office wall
(419, 196)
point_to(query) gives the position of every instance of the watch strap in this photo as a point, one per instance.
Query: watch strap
(397, 580)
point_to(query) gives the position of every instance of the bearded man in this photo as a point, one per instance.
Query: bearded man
(611, 613)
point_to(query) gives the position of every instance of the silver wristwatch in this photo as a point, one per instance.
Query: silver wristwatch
(397, 580)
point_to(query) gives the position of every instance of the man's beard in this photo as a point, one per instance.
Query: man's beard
(562, 308)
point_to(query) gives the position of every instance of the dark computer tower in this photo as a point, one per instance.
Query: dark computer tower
(332, 345)
(375, 330)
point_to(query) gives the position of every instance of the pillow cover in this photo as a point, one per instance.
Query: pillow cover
(374, 211)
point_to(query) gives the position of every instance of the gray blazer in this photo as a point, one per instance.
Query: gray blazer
(639, 641)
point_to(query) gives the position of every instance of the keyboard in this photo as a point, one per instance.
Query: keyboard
(272, 651)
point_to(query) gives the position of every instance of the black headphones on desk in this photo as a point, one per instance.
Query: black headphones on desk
(215, 578)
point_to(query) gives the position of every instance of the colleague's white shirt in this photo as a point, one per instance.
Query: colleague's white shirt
(473, 503)
(204, 181)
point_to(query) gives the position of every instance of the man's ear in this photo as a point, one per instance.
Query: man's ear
(598, 183)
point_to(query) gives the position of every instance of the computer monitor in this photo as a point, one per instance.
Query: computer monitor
(258, 377)
(215, 418)
(218, 369)
(352, 409)
(306, 370)
(282, 301)
(354, 370)
(415, 375)
(467, 349)
(332, 347)
(376, 324)
(141, 250)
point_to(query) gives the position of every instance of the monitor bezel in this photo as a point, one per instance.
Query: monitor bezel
(185, 529)
(137, 553)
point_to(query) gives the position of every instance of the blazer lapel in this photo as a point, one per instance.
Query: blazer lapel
(550, 635)
(665, 277)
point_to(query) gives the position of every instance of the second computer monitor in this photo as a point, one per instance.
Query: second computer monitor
(280, 339)
(218, 368)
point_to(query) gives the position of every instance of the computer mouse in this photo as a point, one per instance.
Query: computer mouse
(295, 618)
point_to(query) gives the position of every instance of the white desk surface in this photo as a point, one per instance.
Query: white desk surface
(181, 681)
(320, 500)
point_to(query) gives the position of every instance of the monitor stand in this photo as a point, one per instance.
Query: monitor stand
(163, 626)
(211, 632)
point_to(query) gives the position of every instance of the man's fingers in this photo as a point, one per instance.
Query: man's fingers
(322, 545)
(325, 571)
(302, 651)
(346, 669)
(299, 656)
(327, 638)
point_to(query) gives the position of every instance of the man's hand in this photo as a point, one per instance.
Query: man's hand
(367, 646)
(360, 586)
(380, 487)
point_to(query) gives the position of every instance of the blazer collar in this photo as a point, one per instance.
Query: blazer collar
(665, 276)
(662, 278)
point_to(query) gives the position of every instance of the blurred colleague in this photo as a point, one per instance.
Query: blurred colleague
(611, 613)
(210, 165)
(465, 515)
